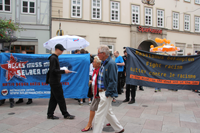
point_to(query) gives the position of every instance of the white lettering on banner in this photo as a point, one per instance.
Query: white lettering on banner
(16, 65)
(46, 64)
(31, 72)
(44, 71)
(27, 92)
(36, 64)
(12, 90)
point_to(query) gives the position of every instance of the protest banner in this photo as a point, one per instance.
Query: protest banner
(24, 75)
(162, 71)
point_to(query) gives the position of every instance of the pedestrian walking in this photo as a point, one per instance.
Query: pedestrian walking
(93, 90)
(53, 78)
(107, 89)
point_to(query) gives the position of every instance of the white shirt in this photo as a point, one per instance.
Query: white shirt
(91, 69)
(93, 82)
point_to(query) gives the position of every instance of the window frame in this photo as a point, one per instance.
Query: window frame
(148, 15)
(163, 18)
(187, 21)
(28, 6)
(3, 6)
(81, 6)
(195, 23)
(197, 3)
(119, 17)
(182, 53)
(178, 21)
(188, 1)
(135, 13)
(96, 10)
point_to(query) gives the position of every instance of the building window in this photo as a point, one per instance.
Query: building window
(148, 16)
(160, 18)
(196, 48)
(197, 24)
(180, 53)
(109, 41)
(28, 6)
(96, 9)
(30, 49)
(115, 7)
(175, 20)
(5, 5)
(197, 1)
(182, 49)
(135, 14)
(187, 22)
(187, 0)
(76, 8)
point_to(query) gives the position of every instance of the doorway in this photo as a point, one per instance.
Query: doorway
(145, 45)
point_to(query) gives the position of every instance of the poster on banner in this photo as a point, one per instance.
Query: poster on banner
(162, 71)
(24, 76)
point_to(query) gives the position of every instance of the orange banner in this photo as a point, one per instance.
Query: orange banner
(163, 81)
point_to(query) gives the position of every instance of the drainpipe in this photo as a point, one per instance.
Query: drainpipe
(50, 20)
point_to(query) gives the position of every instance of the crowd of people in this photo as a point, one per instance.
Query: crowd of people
(107, 81)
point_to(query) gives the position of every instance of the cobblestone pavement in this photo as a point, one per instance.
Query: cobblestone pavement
(162, 112)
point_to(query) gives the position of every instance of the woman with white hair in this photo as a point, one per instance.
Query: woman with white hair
(96, 99)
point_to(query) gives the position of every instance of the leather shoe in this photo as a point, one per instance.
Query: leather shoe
(11, 105)
(53, 117)
(20, 101)
(69, 117)
(131, 102)
(121, 131)
(29, 101)
(141, 89)
(125, 100)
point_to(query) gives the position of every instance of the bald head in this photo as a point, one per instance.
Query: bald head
(116, 54)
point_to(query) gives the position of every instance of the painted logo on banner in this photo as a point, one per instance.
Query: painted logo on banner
(4, 92)
(14, 68)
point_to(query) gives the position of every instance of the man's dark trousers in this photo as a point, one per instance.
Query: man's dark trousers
(57, 97)
(130, 89)
(119, 84)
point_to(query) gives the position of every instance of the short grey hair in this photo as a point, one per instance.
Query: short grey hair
(104, 49)
(97, 59)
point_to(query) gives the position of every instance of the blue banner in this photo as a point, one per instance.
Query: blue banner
(24, 75)
(161, 71)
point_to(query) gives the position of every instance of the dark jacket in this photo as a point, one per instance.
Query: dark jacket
(54, 74)
(110, 78)
(124, 58)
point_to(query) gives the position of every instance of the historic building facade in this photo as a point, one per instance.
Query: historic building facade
(129, 23)
(34, 17)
